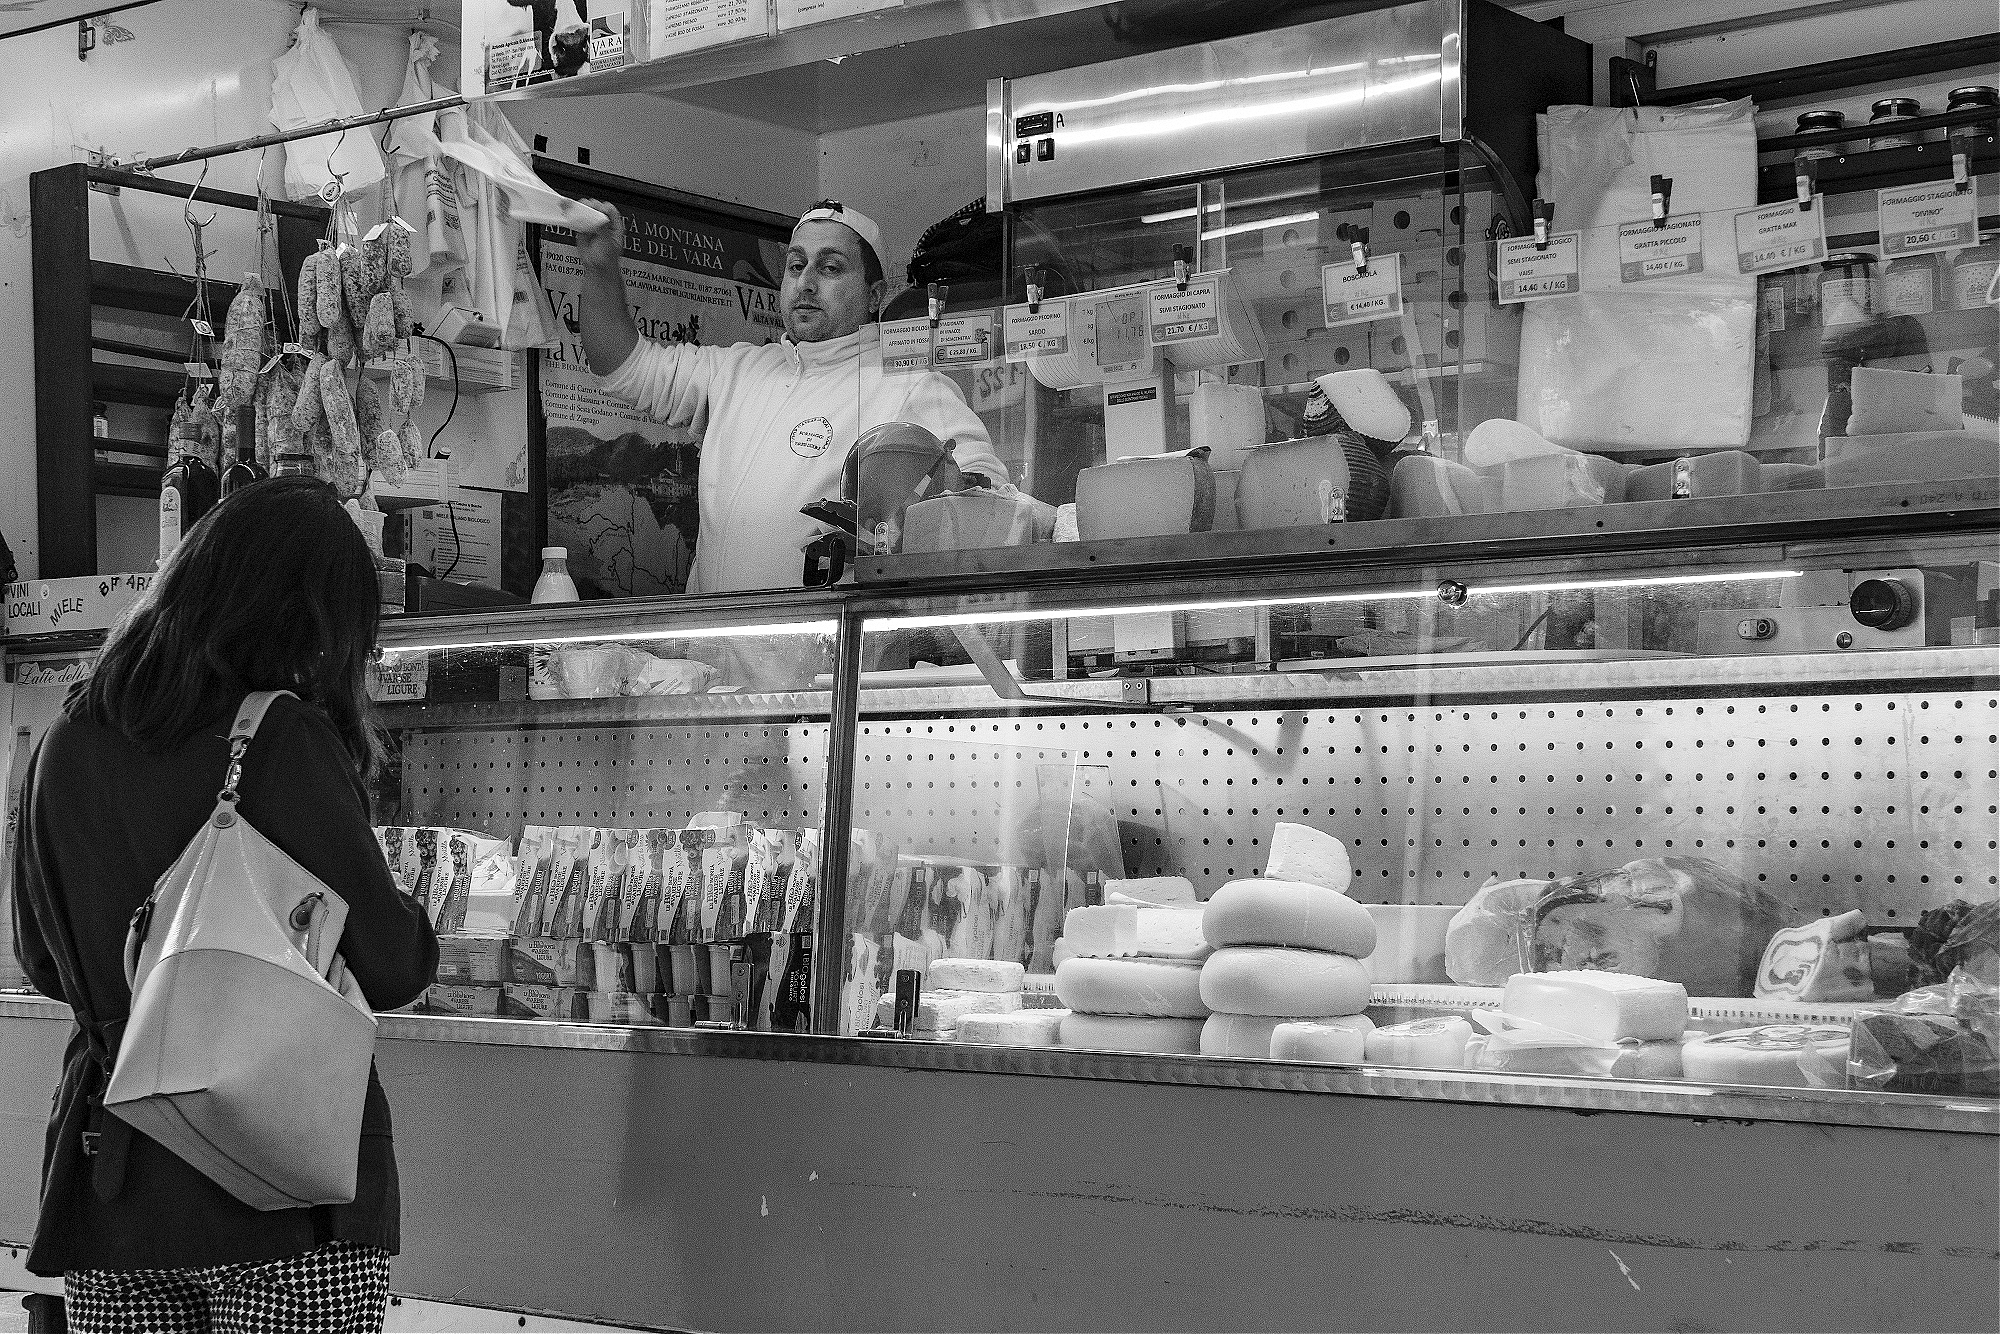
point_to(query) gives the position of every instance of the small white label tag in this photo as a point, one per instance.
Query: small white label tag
(1646, 252)
(1174, 316)
(1353, 297)
(1528, 274)
(966, 340)
(1924, 219)
(198, 370)
(1044, 333)
(203, 327)
(1780, 236)
(906, 344)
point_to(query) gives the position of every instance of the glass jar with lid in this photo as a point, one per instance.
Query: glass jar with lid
(1888, 111)
(1847, 288)
(1967, 138)
(1910, 285)
(1817, 122)
(1972, 273)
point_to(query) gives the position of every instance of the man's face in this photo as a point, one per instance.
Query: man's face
(826, 292)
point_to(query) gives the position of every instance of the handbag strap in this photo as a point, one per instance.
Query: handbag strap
(248, 719)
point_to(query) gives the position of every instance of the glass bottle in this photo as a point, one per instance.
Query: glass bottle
(187, 491)
(243, 471)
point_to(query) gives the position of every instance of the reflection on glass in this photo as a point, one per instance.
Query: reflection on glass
(1704, 825)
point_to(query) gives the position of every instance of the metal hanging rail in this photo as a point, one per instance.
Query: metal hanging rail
(339, 125)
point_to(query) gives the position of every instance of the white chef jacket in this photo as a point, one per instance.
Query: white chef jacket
(777, 421)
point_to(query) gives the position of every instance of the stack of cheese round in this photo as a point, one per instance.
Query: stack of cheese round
(1131, 978)
(1288, 947)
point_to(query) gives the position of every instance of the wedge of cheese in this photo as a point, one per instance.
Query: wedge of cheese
(1123, 930)
(1301, 853)
(1825, 960)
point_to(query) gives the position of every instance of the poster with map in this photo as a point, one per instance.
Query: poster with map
(621, 487)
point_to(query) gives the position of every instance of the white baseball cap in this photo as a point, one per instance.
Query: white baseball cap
(863, 226)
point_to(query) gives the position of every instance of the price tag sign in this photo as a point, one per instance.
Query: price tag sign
(966, 340)
(1041, 334)
(1780, 236)
(1646, 252)
(906, 345)
(1528, 274)
(1121, 331)
(1174, 316)
(1353, 297)
(1923, 219)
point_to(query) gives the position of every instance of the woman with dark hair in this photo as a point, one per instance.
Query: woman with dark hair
(273, 590)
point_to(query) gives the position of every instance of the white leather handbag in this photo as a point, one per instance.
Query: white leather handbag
(248, 1047)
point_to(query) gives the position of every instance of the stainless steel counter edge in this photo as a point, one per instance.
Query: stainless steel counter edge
(1810, 1106)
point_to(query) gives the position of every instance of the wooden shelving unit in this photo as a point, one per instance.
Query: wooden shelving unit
(70, 370)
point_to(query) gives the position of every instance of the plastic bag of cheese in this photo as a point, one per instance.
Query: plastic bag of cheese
(1487, 941)
(1943, 1039)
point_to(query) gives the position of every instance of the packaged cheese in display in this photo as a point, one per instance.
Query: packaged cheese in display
(1825, 960)
(943, 1009)
(1942, 1039)
(1157, 496)
(1266, 980)
(1163, 988)
(473, 960)
(1336, 1041)
(1437, 1043)
(1302, 853)
(1287, 912)
(469, 1001)
(1770, 1054)
(1599, 1007)
(1677, 919)
(1630, 1059)
(1135, 1033)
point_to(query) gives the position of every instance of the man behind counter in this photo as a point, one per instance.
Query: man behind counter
(777, 420)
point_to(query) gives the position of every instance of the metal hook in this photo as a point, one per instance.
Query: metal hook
(187, 208)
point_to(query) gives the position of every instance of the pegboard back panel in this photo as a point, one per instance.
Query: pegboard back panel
(1885, 801)
(497, 780)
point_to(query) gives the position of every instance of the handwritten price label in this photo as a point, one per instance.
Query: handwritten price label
(1780, 236)
(1528, 274)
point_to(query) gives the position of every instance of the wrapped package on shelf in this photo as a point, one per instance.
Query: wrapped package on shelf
(1662, 364)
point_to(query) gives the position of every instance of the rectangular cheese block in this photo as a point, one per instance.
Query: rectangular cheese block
(976, 975)
(1166, 891)
(1020, 1028)
(938, 1010)
(1887, 402)
(620, 1007)
(1603, 1007)
(1123, 930)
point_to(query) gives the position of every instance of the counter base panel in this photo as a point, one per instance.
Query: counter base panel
(674, 1191)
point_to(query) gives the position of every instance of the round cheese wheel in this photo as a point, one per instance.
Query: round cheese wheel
(1288, 912)
(1160, 987)
(1117, 1032)
(1341, 1040)
(1238, 1035)
(1437, 1043)
(1303, 984)
(1022, 1028)
(1769, 1054)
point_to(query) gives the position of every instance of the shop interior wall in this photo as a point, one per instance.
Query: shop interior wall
(198, 72)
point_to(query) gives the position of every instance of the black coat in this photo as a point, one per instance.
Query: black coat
(101, 821)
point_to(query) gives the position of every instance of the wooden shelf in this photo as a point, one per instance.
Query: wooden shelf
(135, 384)
(123, 287)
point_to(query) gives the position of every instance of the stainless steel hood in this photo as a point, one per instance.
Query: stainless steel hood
(1437, 70)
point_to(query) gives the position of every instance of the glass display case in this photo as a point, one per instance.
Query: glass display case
(1731, 775)
(613, 811)
(1355, 286)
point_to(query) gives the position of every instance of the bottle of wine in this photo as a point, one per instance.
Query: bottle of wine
(187, 491)
(243, 471)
